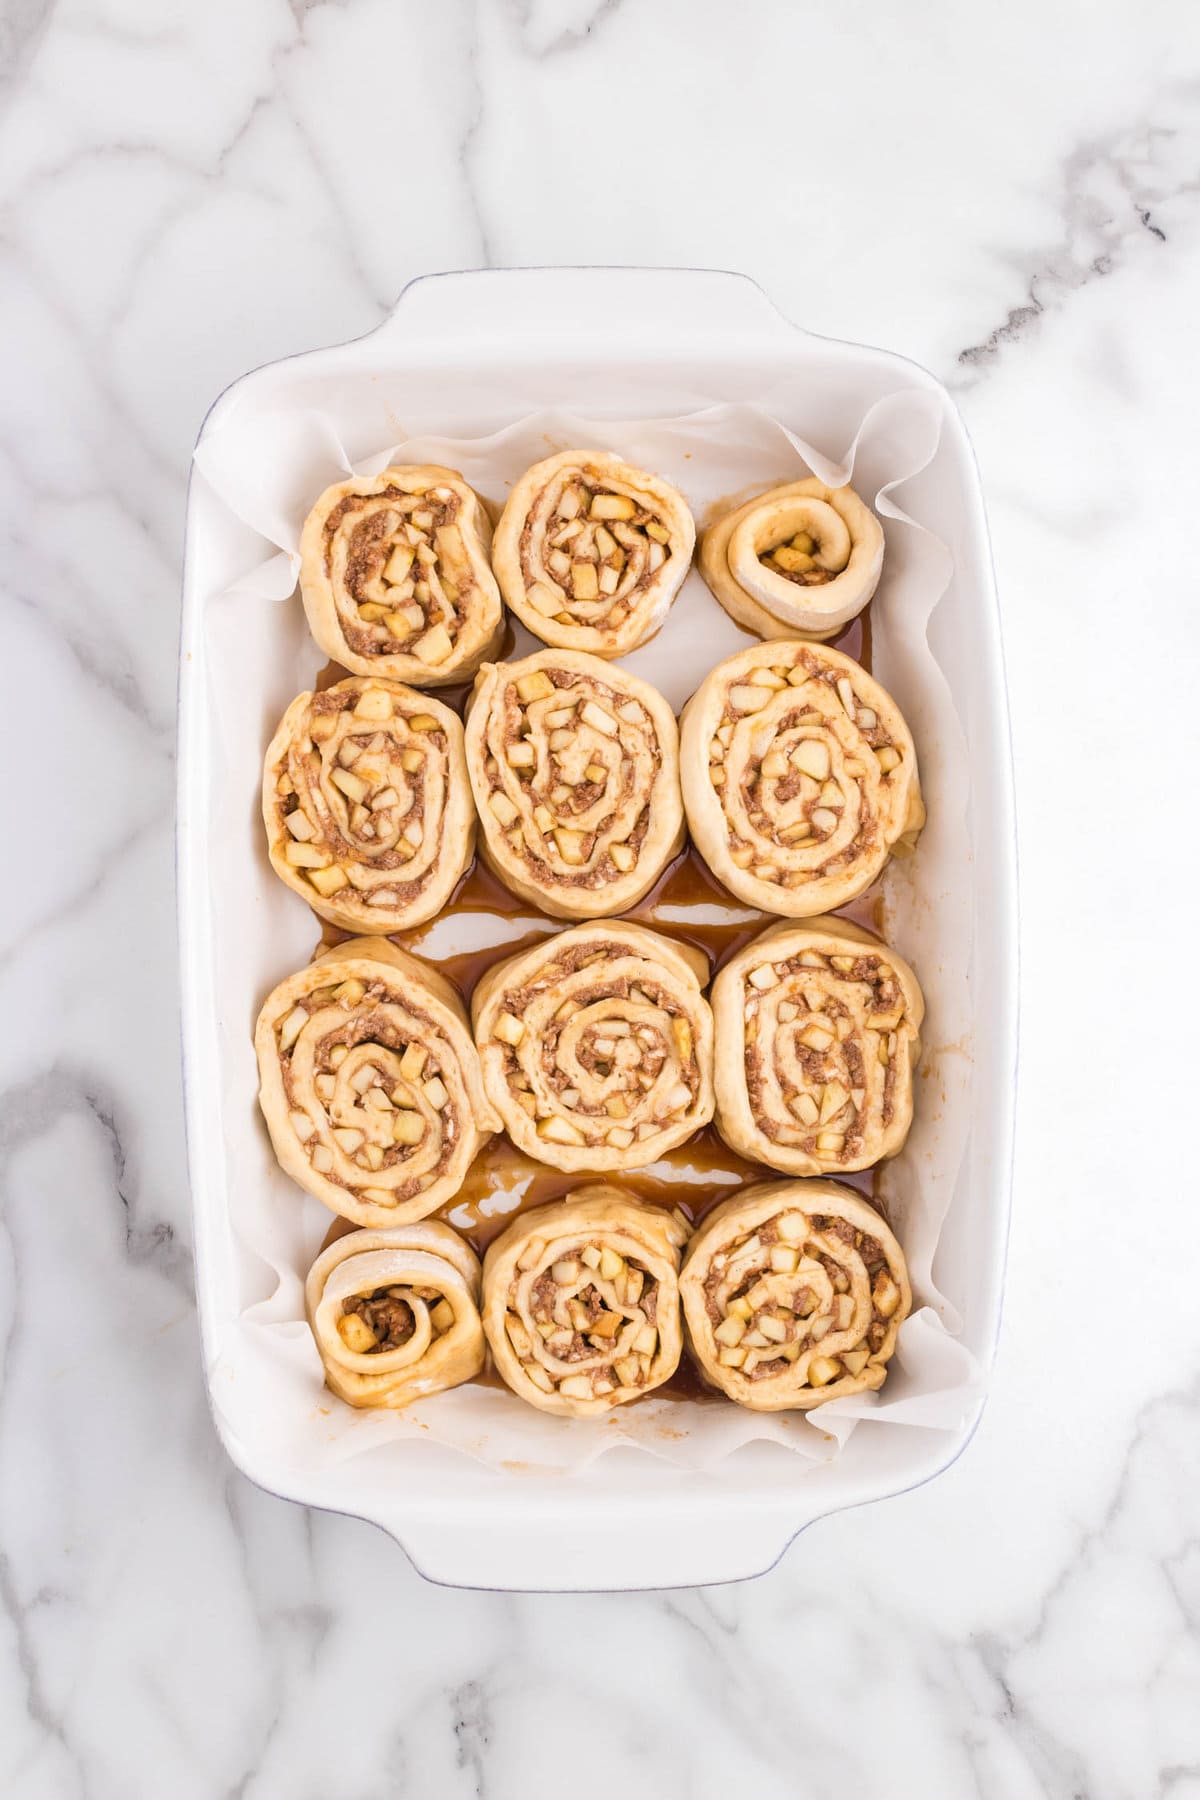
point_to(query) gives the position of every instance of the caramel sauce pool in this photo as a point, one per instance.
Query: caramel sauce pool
(687, 902)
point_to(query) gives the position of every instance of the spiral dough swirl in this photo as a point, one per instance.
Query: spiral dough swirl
(799, 777)
(596, 1046)
(793, 1293)
(366, 804)
(581, 1301)
(395, 578)
(590, 552)
(817, 1039)
(369, 1083)
(575, 768)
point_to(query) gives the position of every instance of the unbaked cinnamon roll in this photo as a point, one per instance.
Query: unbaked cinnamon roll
(596, 1046)
(818, 1035)
(370, 1083)
(799, 777)
(395, 578)
(575, 768)
(367, 804)
(590, 552)
(395, 1314)
(798, 561)
(793, 1293)
(581, 1301)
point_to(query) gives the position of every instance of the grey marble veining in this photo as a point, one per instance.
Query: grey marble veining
(1012, 196)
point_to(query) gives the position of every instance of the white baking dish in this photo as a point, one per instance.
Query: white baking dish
(467, 354)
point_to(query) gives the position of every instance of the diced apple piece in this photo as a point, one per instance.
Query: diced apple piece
(329, 881)
(353, 786)
(434, 646)
(291, 1028)
(749, 697)
(356, 1334)
(559, 1131)
(398, 564)
(822, 1370)
(509, 1029)
(570, 845)
(611, 1264)
(885, 1294)
(585, 583)
(442, 1316)
(535, 686)
(374, 703)
(611, 506)
(306, 856)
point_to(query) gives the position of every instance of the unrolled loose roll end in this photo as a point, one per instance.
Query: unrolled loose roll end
(395, 1314)
(800, 560)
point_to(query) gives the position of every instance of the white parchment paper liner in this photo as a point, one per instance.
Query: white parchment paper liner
(268, 470)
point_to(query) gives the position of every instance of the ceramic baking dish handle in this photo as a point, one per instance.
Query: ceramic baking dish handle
(566, 1549)
(583, 309)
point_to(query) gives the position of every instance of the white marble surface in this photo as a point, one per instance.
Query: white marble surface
(1011, 196)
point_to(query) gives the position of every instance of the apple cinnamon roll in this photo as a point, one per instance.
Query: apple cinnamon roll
(395, 1314)
(395, 578)
(798, 561)
(581, 1301)
(596, 1046)
(818, 1035)
(590, 552)
(799, 777)
(367, 804)
(370, 1084)
(575, 768)
(793, 1293)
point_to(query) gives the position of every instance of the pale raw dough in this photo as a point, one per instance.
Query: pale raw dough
(367, 804)
(824, 993)
(400, 585)
(575, 771)
(847, 548)
(596, 1046)
(598, 1255)
(799, 777)
(410, 1260)
(558, 522)
(790, 1331)
(370, 1084)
